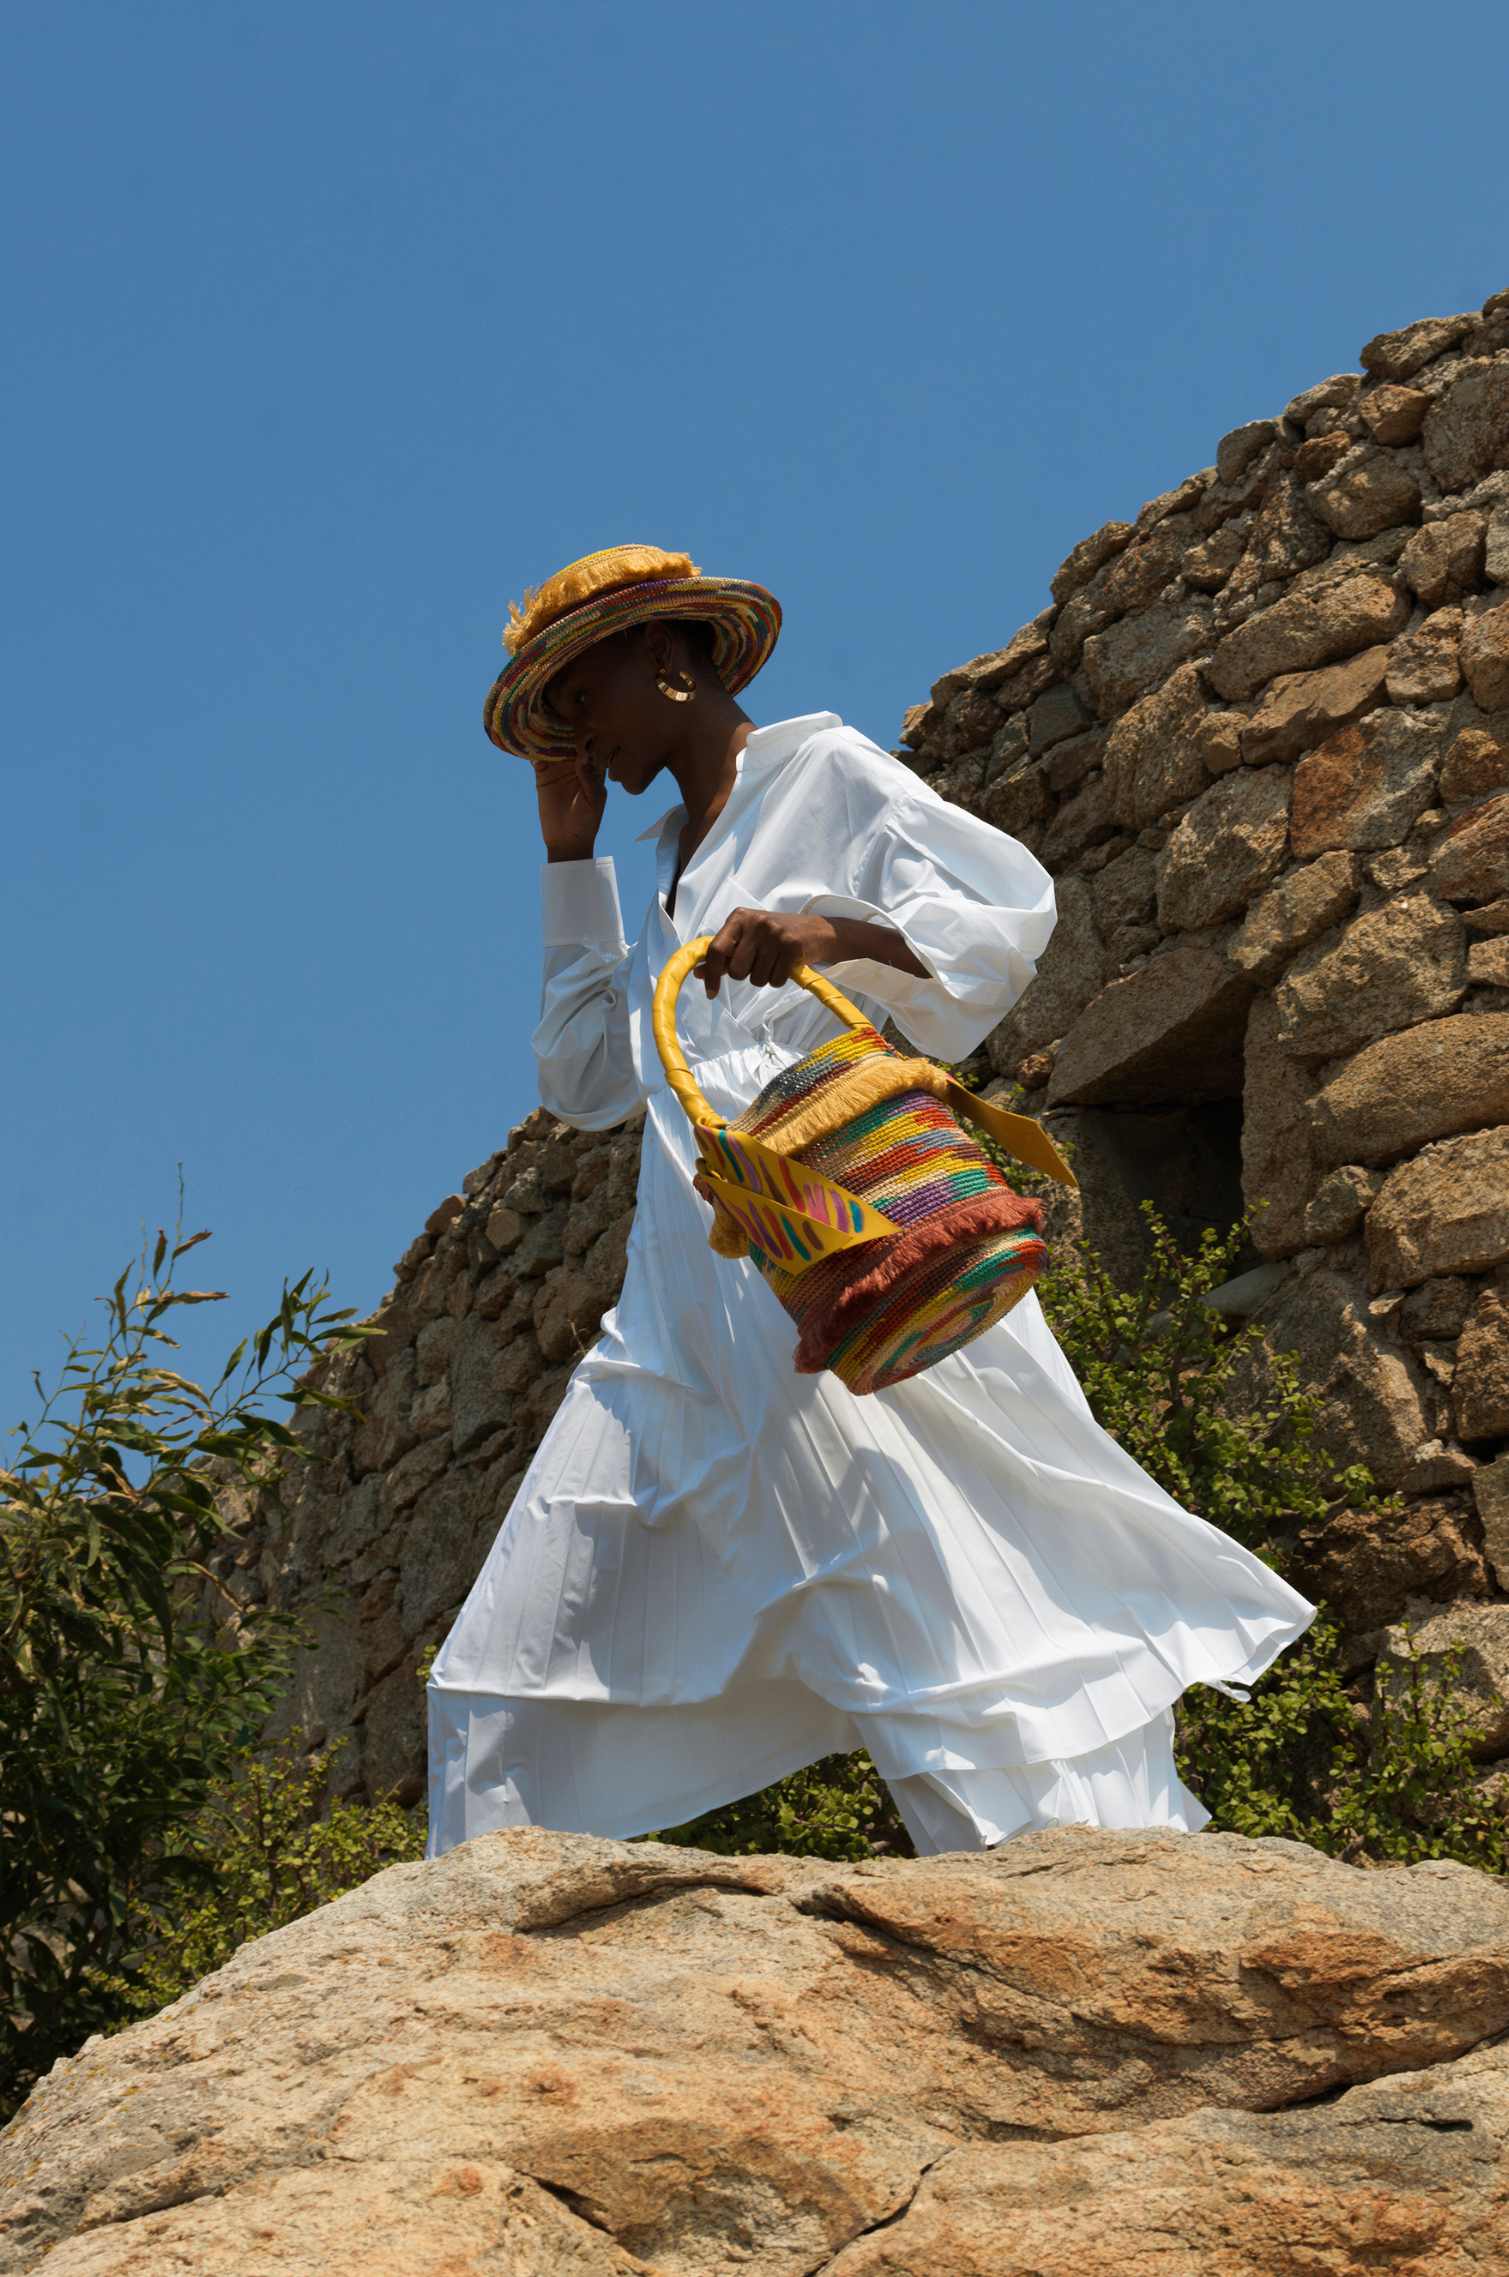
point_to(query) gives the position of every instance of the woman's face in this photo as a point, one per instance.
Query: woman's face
(609, 700)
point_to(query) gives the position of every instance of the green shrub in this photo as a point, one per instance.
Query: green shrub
(119, 1711)
(838, 1807)
(272, 1849)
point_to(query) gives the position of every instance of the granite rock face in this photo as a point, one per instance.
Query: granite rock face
(1260, 736)
(548, 2053)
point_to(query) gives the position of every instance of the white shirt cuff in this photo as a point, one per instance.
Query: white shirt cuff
(579, 904)
(868, 974)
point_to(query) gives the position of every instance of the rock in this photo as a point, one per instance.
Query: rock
(1393, 414)
(1087, 557)
(1466, 432)
(1370, 1397)
(1493, 917)
(1370, 1565)
(1485, 657)
(1184, 495)
(1365, 785)
(443, 1213)
(1480, 1382)
(985, 674)
(1399, 355)
(1436, 1308)
(1340, 1202)
(1015, 801)
(1433, 1081)
(1338, 392)
(1481, 1634)
(1303, 708)
(1298, 906)
(1082, 821)
(1008, 747)
(1367, 491)
(1496, 545)
(1393, 869)
(1054, 2210)
(1235, 452)
(1444, 1212)
(1278, 1173)
(1470, 860)
(1423, 665)
(546, 2053)
(1488, 963)
(1225, 848)
(1067, 764)
(1165, 749)
(1053, 716)
(1069, 974)
(1490, 1486)
(1207, 566)
(1170, 1031)
(1122, 892)
(1444, 560)
(1306, 629)
(1317, 456)
(1132, 656)
(970, 720)
(1287, 534)
(1392, 966)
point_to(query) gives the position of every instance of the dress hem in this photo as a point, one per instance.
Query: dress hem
(717, 1793)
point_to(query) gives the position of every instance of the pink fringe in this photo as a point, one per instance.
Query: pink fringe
(959, 1221)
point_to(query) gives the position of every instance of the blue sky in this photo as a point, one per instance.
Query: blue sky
(333, 326)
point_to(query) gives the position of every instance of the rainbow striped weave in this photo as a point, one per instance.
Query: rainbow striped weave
(969, 1247)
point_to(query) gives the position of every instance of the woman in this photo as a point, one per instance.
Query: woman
(715, 1569)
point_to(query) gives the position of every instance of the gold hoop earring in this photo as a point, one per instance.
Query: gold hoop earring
(681, 695)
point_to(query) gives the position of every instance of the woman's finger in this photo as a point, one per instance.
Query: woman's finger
(764, 969)
(713, 963)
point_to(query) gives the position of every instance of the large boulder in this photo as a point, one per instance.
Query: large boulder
(544, 2053)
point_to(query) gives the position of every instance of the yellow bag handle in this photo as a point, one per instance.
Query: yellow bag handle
(1021, 1136)
(668, 1044)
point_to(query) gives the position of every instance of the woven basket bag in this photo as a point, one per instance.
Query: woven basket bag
(851, 1182)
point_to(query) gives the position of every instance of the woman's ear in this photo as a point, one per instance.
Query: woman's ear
(658, 643)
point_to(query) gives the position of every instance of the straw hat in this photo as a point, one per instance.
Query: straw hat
(598, 595)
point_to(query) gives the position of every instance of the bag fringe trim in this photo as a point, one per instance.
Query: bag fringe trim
(960, 1221)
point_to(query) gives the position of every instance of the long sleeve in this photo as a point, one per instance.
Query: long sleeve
(581, 1045)
(973, 903)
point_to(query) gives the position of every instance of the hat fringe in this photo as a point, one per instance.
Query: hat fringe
(579, 580)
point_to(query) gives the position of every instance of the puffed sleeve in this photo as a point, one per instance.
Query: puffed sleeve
(974, 904)
(581, 1046)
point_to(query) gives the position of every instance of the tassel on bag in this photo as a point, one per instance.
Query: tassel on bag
(851, 1183)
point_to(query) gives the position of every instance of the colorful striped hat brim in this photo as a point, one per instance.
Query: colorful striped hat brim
(746, 622)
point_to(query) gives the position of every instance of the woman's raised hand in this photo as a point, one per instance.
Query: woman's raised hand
(572, 794)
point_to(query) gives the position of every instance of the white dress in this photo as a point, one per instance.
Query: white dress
(716, 1570)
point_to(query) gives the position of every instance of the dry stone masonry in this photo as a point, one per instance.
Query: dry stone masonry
(1260, 736)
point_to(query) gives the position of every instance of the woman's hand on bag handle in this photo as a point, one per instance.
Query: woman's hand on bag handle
(765, 946)
(572, 794)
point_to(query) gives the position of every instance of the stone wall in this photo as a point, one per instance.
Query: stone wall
(1260, 736)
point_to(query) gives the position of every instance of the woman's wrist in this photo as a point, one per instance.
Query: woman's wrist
(880, 944)
(586, 853)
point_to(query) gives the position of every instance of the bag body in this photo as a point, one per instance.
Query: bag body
(854, 1185)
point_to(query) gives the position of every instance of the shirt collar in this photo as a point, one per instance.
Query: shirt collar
(777, 740)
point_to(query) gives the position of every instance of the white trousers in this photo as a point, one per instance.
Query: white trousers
(1131, 1781)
